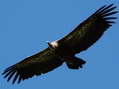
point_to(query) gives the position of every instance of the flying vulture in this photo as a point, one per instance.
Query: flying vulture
(64, 50)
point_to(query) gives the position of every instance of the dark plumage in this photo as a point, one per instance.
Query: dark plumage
(64, 50)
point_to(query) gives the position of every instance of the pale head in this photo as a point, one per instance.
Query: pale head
(53, 44)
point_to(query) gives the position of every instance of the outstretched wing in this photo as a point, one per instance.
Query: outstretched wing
(89, 31)
(37, 64)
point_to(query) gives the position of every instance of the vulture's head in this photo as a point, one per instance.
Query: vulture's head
(53, 44)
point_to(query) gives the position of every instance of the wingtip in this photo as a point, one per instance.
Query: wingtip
(106, 8)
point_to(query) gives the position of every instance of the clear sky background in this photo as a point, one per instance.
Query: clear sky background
(26, 25)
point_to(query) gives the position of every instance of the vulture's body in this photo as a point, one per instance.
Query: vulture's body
(64, 50)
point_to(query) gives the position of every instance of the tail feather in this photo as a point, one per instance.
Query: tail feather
(74, 62)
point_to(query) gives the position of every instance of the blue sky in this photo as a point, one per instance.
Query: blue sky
(26, 25)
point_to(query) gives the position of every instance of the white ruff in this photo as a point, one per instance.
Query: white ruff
(54, 44)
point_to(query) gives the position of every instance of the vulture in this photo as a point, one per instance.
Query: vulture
(64, 50)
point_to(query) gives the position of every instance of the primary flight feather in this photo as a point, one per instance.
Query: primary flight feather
(64, 50)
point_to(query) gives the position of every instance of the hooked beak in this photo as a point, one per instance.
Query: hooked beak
(48, 42)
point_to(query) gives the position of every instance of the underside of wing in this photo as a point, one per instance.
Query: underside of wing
(89, 31)
(37, 64)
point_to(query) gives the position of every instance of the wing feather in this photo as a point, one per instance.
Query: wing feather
(89, 31)
(37, 64)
